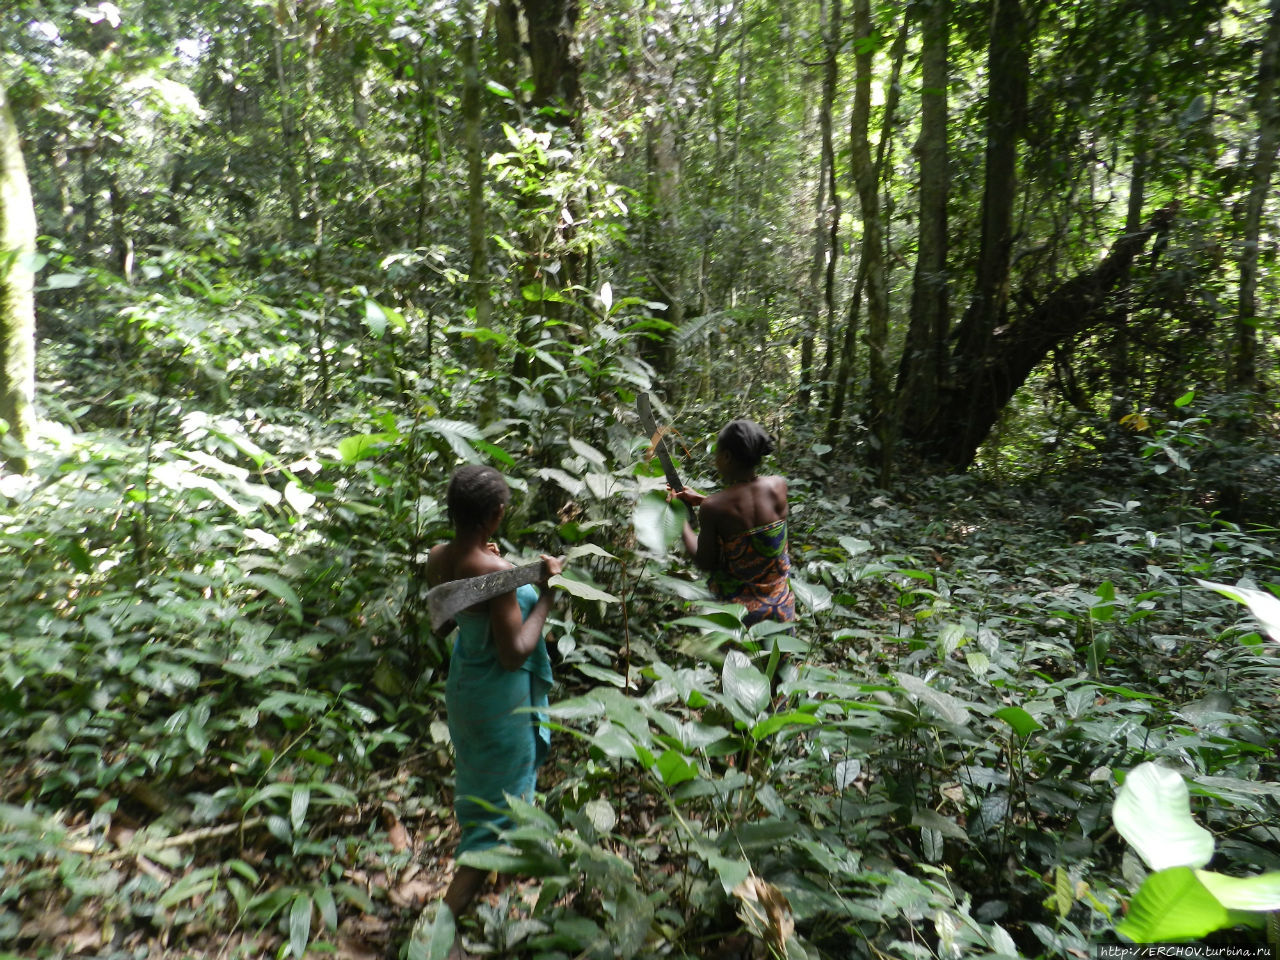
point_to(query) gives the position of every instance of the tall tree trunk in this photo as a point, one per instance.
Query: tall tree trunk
(923, 363)
(660, 230)
(848, 352)
(1007, 69)
(879, 396)
(1244, 367)
(826, 221)
(17, 289)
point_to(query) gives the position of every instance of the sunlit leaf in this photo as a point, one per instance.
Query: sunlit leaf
(944, 704)
(583, 591)
(748, 687)
(1263, 605)
(1260, 892)
(658, 523)
(300, 925)
(1023, 723)
(1152, 812)
(1172, 905)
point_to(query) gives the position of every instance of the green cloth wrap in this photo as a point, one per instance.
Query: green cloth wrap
(498, 743)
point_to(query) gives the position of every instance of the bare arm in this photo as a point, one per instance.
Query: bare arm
(513, 637)
(704, 546)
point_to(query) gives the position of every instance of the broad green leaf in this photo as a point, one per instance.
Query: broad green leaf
(596, 672)
(278, 588)
(1152, 812)
(675, 769)
(771, 725)
(855, 545)
(327, 907)
(300, 924)
(587, 550)
(601, 814)
(658, 523)
(730, 872)
(1263, 605)
(530, 863)
(375, 318)
(815, 596)
(1261, 892)
(587, 452)
(745, 684)
(1172, 905)
(583, 591)
(494, 452)
(299, 803)
(943, 704)
(298, 498)
(1185, 399)
(1023, 723)
(360, 447)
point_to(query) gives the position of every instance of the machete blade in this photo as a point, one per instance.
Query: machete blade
(446, 600)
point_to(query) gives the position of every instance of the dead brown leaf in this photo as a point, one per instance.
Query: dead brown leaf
(766, 912)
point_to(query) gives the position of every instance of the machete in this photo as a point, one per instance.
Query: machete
(659, 441)
(446, 600)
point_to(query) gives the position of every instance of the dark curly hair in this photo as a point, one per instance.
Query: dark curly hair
(745, 441)
(474, 493)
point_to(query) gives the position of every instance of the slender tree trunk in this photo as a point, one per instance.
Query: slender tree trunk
(17, 289)
(477, 232)
(1244, 368)
(924, 356)
(661, 230)
(1119, 368)
(288, 130)
(826, 223)
(848, 353)
(826, 227)
(879, 397)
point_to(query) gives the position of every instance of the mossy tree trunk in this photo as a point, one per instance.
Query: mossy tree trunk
(17, 288)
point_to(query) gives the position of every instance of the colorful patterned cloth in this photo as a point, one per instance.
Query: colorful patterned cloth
(755, 572)
(497, 751)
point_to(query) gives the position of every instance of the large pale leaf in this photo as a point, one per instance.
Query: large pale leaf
(657, 522)
(584, 591)
(1263, 605)
(1172, 905)
(1153, 812)
(745, 684)
(1261, 892)
(943, 704)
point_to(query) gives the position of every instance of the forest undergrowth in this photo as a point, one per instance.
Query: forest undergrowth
(222, 704)
(224, 736)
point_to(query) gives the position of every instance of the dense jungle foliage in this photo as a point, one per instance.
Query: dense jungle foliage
(997, 274)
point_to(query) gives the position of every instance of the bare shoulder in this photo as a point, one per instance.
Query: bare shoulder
(777, 487)
(445, 563)
(436, 562)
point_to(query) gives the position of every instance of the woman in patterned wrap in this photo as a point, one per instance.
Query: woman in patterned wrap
(743, 538)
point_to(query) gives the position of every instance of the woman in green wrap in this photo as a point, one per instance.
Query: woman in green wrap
(498, 669)
(742, 542)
